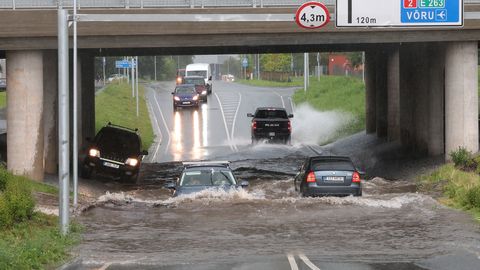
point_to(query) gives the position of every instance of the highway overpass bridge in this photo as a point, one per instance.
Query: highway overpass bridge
(421, 83)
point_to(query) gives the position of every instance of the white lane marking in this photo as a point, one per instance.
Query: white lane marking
(159, 131)
(105, 266)
(308, 262)
(224, 122)
(164, 122)
(292, 262)
(235, 118)
(281, 97)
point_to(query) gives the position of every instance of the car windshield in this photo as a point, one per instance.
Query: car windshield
(207, 177)
(117, 140)
(184, 90)
(196, 81)
(271, 114)
(332, 165)
(202, 73)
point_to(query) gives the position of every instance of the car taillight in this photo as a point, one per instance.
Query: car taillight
(289, 126)
(311, 177)
(356, 177)
(254, 125)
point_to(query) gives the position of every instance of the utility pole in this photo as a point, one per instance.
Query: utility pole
(104, 62)
(306, 79)
(63, 121)
(155, 63)
(136, 68)
(132, 62)
(75, 108)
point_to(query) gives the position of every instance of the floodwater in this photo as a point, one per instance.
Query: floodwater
(266, 221)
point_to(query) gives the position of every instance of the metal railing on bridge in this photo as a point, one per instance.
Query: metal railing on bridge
(49, 4)
(53, 4)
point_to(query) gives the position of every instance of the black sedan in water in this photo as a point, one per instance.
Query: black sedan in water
(199, 176)
(328, 175)
(185, 95)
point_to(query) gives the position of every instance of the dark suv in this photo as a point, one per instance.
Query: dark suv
(272, 124)
(115, 151)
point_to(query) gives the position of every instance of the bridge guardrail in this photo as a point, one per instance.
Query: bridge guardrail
(53, 4)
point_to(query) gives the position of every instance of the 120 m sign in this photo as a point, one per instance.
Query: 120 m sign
(312, 15)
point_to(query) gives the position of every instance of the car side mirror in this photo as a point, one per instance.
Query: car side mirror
(210, 78)
(173, 93)
(170, 185)
(244, 183)
(362, 173)
(249, 115)
(144, 153)
(290, 116)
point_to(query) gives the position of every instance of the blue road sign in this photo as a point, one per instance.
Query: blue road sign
(245, 62)
(431, 11)
(123, 64)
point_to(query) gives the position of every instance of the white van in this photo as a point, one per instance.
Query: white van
(201, 70)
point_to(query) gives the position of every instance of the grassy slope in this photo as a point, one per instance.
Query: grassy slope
(263, 83)
(337, 93)
(453, 184)
(116, 105)
(3, 99)
(36, 244)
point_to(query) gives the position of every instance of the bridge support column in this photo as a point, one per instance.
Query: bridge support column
(88, 97)
(393, 86)
(381, 93)
(25, 113)
(461, 96)
(370, 91)
(50, 107)
(436, 96)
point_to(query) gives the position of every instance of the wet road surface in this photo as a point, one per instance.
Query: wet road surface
(268, 225)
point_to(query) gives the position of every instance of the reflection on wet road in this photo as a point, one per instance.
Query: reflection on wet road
(218, 127)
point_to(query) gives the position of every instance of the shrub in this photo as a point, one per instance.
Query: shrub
(472, 198)
(462, 158)
(16, 200)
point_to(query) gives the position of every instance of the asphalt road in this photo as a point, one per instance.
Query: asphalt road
(219, 127)
(268, 226)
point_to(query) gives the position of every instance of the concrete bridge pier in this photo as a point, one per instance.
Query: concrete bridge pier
(461, 96)
(370, 91)
(50, 109)
(25, 136)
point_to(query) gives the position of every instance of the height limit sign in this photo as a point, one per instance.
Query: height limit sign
(312, 15)
(399, 13)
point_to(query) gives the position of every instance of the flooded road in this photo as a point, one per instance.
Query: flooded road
(268, 222)
(268, 225)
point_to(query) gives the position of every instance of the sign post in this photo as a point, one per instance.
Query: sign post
(399, 13)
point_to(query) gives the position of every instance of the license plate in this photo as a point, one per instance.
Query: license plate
(111, 165)
(271, 134)
(334, 178)
(185, 103)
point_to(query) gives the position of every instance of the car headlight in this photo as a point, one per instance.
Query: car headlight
(132, 162)
(176, 98)
(94, 153)
(204, 92)
(195, 97)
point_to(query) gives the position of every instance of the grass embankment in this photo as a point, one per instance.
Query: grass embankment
(337, 93)
(296, 82)
(459, 184)
(3, 99)
(28, 239)
(116, 105)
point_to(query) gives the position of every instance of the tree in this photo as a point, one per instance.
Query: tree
(355, 58)
(276, 62)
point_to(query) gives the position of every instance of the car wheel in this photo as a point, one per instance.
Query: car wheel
(86, 172)
(175, 108)
(359, 193)
(254, 141)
